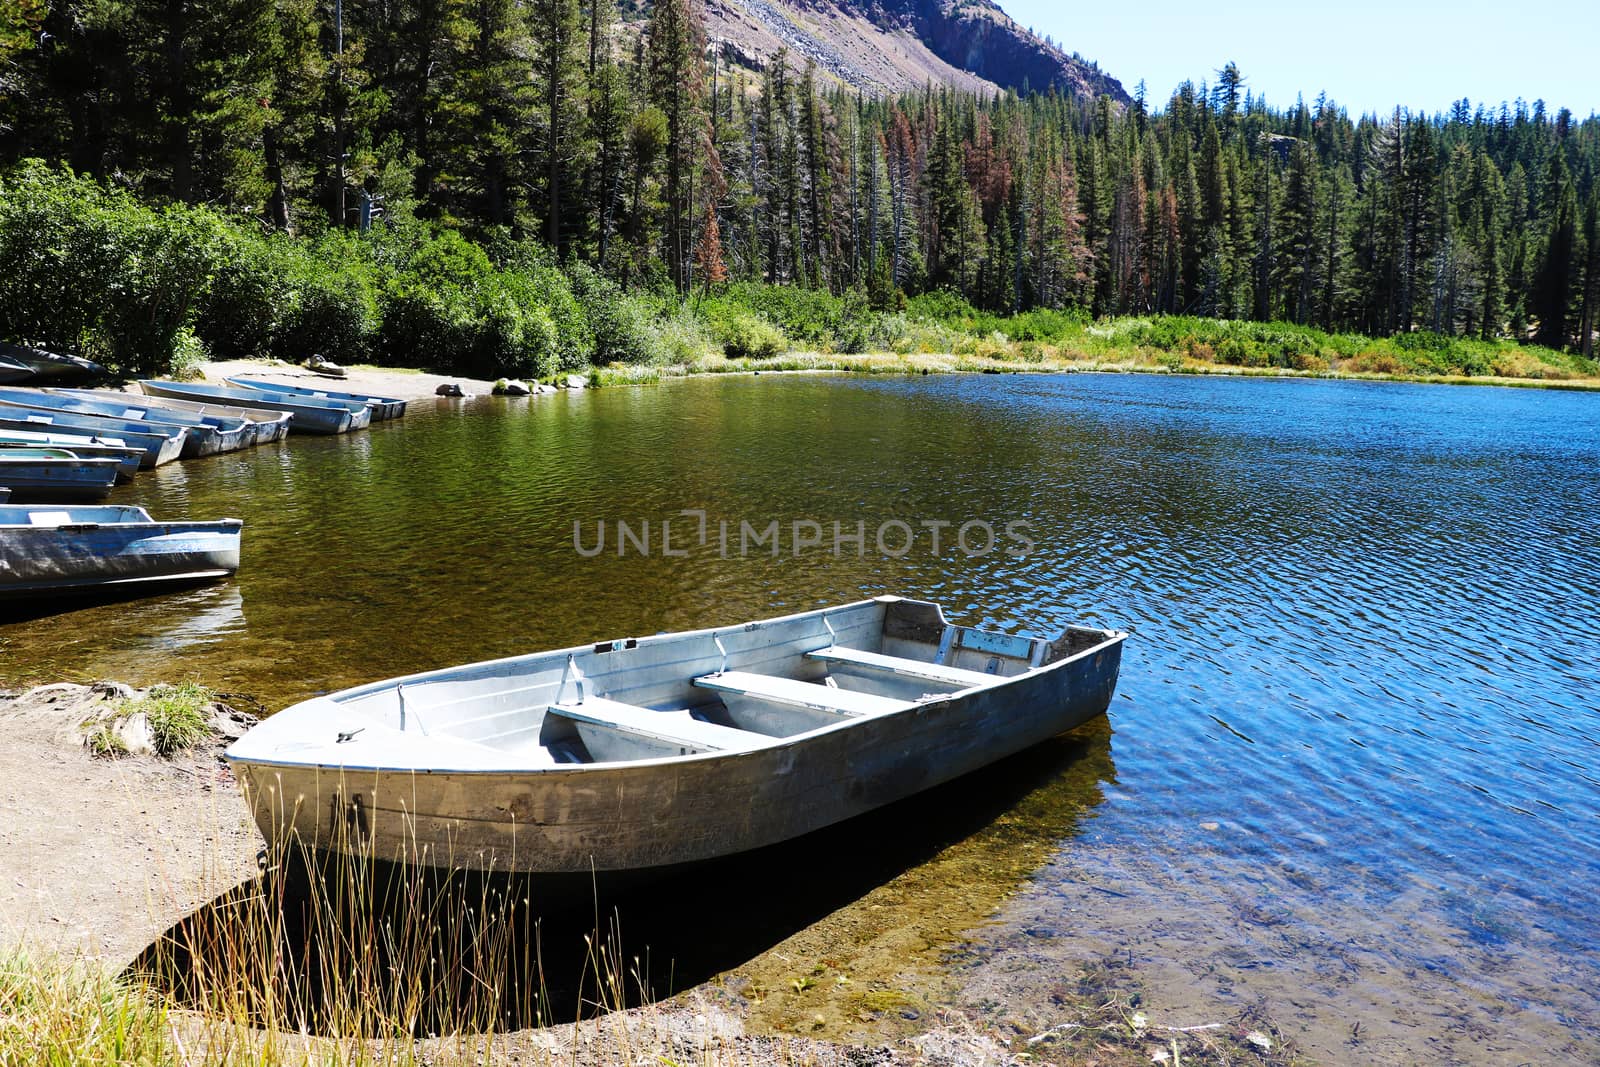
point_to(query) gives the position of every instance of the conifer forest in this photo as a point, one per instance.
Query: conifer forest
(522, 186)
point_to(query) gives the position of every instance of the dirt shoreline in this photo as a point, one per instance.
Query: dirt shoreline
(98, 856)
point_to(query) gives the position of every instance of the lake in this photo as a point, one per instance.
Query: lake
(1351, 776)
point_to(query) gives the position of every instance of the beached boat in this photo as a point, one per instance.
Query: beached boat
(85, 447)
(55, 474)
(310, 414)
(265, 424)
(383, 407)
(46, 551)
(159, 444)
(658, 751)
(11, 371)
(50, 367)
(207, 435)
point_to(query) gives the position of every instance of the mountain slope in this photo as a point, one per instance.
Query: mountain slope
(891, 45)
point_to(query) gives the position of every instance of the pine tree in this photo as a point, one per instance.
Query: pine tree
(677, 88)
(1552, 287)
(498, 103)
(1295, 274)
(561, 48)
(1591, 274)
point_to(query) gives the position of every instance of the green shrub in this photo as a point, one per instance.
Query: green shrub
(89, 270)
(679, 338)
(746, 336)
(619, 324)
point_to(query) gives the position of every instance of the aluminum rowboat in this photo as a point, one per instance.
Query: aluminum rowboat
(658, 751)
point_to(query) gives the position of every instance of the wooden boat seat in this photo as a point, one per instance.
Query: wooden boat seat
(800, 694)
(956, 677)
(669, 727)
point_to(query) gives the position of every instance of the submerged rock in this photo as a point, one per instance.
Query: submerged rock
(449, 389)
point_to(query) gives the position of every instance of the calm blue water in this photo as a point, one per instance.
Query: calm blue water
(1358, 719)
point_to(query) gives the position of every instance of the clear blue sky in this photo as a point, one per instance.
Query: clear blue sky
(1369, 55)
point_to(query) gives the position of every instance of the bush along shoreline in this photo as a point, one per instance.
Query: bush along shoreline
(159, 290)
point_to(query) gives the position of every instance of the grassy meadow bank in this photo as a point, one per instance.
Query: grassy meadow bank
(150, 290)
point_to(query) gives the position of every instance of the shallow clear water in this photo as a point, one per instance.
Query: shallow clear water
(1354, 754)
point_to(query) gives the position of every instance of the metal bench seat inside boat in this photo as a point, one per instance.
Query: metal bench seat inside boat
(799, 694)
(610, 730)
(955, 678)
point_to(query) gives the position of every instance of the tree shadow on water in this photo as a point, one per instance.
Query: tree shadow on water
(345, 948)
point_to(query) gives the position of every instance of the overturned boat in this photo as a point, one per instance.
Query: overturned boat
(657, 751)
(46, 551)
(45, 367)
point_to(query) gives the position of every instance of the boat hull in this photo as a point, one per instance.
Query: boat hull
(37, 561)
(69, 478)
(80, 446)
(309, 417)
(666, 812)
(48, 367)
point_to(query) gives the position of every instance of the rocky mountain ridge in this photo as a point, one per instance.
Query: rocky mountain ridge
(895, 45)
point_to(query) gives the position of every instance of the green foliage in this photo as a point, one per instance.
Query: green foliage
(176, 714)
(620, 324)
(90, 270)
(743, 334)
(75, 1013)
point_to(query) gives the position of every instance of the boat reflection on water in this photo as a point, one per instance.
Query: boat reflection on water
(873, 900)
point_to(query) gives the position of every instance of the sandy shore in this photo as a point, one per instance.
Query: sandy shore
(398, 383)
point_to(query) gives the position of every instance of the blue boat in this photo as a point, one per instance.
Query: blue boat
(161, 444)
(42, 474)
(83, 447)
(207, 435)
(311, 415)
(383, 407)
(45, 552)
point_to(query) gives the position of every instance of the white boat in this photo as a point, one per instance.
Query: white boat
(658, 751)
(383, 407)
(47, 551)
(266, 424)
(311, 415)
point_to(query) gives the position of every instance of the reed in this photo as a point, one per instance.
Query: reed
(341, 958)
